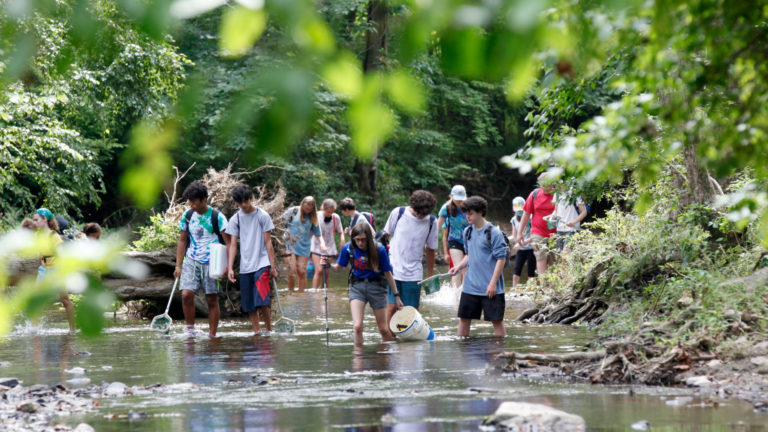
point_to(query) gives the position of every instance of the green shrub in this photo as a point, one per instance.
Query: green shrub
(161, 233)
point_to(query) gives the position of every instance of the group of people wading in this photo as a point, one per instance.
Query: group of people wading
(384, 266)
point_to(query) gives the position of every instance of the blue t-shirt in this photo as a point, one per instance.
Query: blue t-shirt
(299, 235)
(360, 267)
(482, 260)
(455, 224)
(201, 233)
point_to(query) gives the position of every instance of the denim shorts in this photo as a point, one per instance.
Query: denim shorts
(368, 292)
(410, 293)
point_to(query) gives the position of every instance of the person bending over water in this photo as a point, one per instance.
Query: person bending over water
(370, 275)
(330, 224)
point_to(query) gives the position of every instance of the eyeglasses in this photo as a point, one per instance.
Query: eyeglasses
(360, 239)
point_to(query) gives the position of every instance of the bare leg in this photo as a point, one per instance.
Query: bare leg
(541, 266)
(357, 307)
(456, 257)
(383, 324)
(498, 328)
(515, 280)
(188, 306)
(290, 266)
(317, 278)
(266, 316)
(391, 308)
(67, 303)
(464, 324)
(301, 272)
(254, 318)
(213, 312)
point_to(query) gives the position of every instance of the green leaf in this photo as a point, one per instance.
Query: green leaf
(240, 28)
(344, 75)
(405, 91)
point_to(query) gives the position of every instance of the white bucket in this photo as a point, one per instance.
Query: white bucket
(218, 260)
(408, 324)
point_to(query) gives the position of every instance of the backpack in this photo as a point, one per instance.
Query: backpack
(381, 236)
(214, 222)
(367, 216)
(468, 235)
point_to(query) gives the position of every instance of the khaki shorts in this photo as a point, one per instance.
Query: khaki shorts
(541, 248)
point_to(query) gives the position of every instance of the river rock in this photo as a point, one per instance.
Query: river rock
(529, 416)
(5, 364)
(115, 389)
(84, 427)
(760, 349)
(698, 381)
(9, 382)
(641, 425)
(75, 371)
(27, 407)
(79, 381)
(761, 363)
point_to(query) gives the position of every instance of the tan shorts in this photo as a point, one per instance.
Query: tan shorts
(541, 248)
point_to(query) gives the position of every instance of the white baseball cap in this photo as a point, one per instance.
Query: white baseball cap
(459, 193)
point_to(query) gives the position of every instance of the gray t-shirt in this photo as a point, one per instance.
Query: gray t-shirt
(250, 228)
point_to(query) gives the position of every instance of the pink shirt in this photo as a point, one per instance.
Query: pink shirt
(544, 206)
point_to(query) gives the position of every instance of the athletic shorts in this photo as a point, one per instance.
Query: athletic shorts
(455, 244)
(410, 293)
(368, 292)
(540, 246)
(523, 256)
(254, 290)
(194, 277)
(471, 306)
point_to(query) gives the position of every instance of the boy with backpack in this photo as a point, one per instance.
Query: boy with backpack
(411, 229)
(348, 209)
(487, 252)
(200, 226)
(253, 226)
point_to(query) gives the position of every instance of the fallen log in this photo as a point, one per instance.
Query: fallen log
(553, 358)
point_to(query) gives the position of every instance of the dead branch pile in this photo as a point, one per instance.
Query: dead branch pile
(220, 184)
(633, 359)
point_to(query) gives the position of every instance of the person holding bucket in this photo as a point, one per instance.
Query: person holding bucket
(538, 206)
(371, 274)
(486, 253)
(201, 226)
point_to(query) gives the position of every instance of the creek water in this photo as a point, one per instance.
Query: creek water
(287, 382)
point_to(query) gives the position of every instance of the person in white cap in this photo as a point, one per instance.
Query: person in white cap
(525, 252)
(452, 220)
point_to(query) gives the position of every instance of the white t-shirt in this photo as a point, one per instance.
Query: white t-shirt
(250, 228)
(409, 235)
(565, 208)
(327, 229)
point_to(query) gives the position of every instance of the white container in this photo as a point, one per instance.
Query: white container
(408, 324)
(218, 260)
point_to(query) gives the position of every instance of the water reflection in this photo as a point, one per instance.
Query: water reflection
(269, 382)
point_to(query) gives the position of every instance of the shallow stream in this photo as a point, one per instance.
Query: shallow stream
(270, 382)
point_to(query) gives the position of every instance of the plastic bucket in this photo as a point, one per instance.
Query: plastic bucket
(552, 221)
(408, 324)
(218, 261)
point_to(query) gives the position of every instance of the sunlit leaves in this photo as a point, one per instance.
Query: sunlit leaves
(344, 75)
(370, 120)
(241, 27)
(147, 162)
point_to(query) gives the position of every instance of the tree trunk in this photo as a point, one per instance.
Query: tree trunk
(699, 185)
(375, 50)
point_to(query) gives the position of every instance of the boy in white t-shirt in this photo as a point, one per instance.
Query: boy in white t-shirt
(571, 211)
(411, 229)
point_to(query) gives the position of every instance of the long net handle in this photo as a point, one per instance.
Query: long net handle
(170, 299)
(277, 296)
